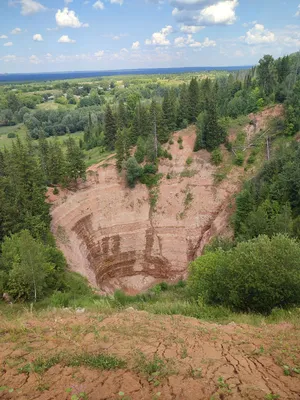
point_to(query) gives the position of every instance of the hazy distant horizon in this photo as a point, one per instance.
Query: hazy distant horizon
(60, 75)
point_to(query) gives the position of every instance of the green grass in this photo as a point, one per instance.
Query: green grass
(51, 105)
(162, 299)
(94, 361)
(20, 130)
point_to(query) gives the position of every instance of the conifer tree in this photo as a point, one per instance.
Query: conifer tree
(194, 99)
(183, 109)
(75, 166)
(122, 148)
(122, 115)
(110, 128)
(169, 113)
(56, 164)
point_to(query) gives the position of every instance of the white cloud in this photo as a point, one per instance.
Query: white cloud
(9, 58)
(98, 5)
(190, 28)
(68, 18)
(68, 1)
(3, 37)
(99, 54)
(182, 41)
(207, 43)
(160, 38)
(29, 7)
(8, 44)
(16, 31)
(298, 12)
(221, 13)
(259, 35)
(38, 37)
(65, 39)
(117, 2)
(191, 4)
(135, 45)
(34, 60)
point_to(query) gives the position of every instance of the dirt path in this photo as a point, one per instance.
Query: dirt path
(166, 358)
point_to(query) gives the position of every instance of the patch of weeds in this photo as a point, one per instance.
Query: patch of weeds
(123, 397)
(171, 141)
(196, 373)
(219, 177)
(259, 352)
(288, 371)
(43, 387)
(272, 396)
(180, 147)
(96, 361)
(61, 234)
(239, 159)
(153, 368)
(222, 384)
(156, 396)
(179, 141)
(183, 353)
(77, 395)
(6, 389)
(41, 364)
(188, 198)
(216, 157)
(189, 161)
(153, 194)
(188, 173)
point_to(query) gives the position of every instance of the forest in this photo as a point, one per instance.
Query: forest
(117, 115)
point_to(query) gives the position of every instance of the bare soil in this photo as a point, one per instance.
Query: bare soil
(132, 238)
(197, 360)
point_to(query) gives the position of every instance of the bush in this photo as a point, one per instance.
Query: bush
(257, 275)
(150, 169)
(216, 157)
(11, 135)
(179, 141)
(189, 161)
(134, 171)
(239, 159)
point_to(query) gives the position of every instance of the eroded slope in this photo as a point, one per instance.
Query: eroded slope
(120, 238)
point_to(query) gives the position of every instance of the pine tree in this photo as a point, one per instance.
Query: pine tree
(169, 112)
(213, 134)
(194, 100)
(56, 164)
(122, 115)
(183, 109)
(122, 148)
(110, 129)
(75, 165)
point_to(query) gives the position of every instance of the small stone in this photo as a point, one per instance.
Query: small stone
(80, 310)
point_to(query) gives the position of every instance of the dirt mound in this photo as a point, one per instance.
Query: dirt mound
(145, 357)
(123, 238)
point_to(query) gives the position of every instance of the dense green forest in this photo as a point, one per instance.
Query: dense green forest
(117, 115)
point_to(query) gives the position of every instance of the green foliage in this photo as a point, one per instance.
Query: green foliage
(134, 172)
(29, 267)
(269, 204)
(75, 165)
(11, 135)
(257, 275)
(216, 157)
(239, 158)
(189, 161)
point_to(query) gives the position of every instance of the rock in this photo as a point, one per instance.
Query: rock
(80, 310)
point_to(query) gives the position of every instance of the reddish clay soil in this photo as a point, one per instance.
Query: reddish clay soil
(199, 361)
(112, 235)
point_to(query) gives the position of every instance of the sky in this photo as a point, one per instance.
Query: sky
(80, 35)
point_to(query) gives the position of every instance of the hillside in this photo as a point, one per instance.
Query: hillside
(132, 238)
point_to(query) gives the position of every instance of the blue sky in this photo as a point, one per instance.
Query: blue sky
(69, 35)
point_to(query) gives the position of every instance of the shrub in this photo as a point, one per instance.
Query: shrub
(216, 157)
(11, 135)
(189, 161)
(257, 275)
(134, 171)
(56, 191)
(150, 169)
(239, 159)
(179, 141)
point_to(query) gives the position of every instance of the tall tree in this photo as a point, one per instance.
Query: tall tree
(110, 128)
(194, 100)
(267, 74)
(75, 165)
(122, 148)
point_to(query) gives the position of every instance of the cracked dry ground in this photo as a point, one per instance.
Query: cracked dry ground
(194, 359)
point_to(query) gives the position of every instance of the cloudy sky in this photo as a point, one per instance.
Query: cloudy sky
(69, 35)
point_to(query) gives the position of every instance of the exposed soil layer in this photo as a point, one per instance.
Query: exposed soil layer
(197, 360)
(131, 238)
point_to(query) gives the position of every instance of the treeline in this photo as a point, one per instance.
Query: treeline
(30, 265)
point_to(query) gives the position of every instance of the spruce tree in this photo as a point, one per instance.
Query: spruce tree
(194, 100)
(56, 164)
(75, 165)
(122, 148)
(183, 109)
(110, 128)
(169, 112)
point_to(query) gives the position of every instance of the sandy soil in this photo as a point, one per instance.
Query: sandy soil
(198, 360)
(113, 236)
